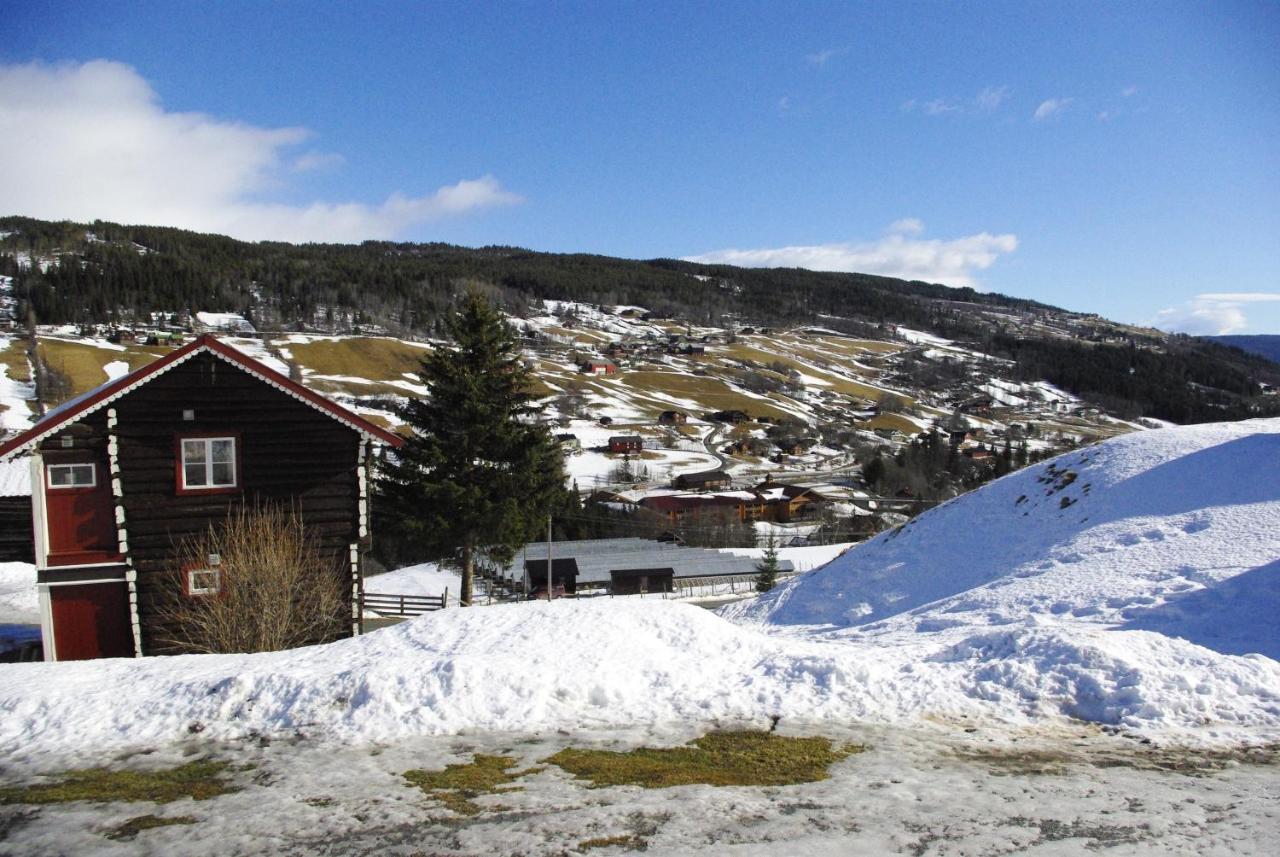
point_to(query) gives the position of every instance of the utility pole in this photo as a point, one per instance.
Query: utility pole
(551, 593)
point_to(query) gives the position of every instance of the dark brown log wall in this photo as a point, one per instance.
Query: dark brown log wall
(289, 452)
(16, 542)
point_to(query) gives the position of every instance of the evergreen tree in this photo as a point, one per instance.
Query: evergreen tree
(479, 475)
(767, 568)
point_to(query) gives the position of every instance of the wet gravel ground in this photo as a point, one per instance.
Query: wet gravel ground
(949, 790)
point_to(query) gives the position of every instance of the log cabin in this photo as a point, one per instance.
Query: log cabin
(123, 473)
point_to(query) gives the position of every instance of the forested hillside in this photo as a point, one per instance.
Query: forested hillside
(105, 273)
(1266, 345)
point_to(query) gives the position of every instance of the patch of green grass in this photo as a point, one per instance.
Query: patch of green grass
(199, 780)
(82, 363)
(747, 758)
(14, 359)
(457, 786)
(370, 357)
(625, 841)
(712, 394)
(136, 825)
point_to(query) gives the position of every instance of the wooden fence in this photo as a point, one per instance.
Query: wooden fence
(403, 605)
(722, 584)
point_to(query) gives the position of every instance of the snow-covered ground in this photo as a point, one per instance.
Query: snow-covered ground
(15, 410)
(1131, 584)
(426, 578)
(1036, 626)
(19, 601)
(933, 791)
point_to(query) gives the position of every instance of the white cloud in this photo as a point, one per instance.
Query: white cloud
(1212, 313)
(311, 161)
(1240, 297)
(906, 226)
(992, 97)
(1051, 107)
(1129, 92)
(898, 254)
(87, 141)
(986, 101)
(820, 58)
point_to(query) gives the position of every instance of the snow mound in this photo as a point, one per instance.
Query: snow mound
(19, 599)
(1175, 531)
(525, 667)
(1134, 584)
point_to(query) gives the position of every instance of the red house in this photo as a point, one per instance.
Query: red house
(598, 367)
(123, 473)
(626, 443)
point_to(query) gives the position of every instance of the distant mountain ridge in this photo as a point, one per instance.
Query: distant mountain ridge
(1264, 345)
(110, 274)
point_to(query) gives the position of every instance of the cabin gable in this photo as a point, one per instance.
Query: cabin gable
(284, 451)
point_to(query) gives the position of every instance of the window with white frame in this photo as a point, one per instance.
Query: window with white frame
(209, 462)
(204, 581)
(72, 475)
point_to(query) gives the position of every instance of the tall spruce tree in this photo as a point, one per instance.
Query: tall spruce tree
(479, 475)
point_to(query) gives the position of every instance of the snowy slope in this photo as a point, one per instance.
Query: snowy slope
(1131, 606)
(1151, 530)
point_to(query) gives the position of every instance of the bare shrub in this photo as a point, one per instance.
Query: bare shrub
(275, 588)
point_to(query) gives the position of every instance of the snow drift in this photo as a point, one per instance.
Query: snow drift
(1131, 584)
(1175, 531)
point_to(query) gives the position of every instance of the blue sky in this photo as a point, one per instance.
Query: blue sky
(1117, 158)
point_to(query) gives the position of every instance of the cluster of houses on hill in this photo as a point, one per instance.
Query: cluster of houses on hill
(698, 497)
(612, 355)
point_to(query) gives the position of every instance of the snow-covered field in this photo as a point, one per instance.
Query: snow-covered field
(1127, 590)
(1147, 603)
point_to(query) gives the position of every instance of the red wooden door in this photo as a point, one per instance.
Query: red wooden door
(80, 511)
(91, 620)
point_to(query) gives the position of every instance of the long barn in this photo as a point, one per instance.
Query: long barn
(124, 473)
(624, 566)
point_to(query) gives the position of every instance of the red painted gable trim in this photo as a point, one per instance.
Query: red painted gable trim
(210, 343)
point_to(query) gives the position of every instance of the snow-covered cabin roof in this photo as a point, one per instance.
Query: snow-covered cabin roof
(596, 559)
(101, 396)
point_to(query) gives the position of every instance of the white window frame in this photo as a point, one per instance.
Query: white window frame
(208, 443)
(71, 466)
(193, 589)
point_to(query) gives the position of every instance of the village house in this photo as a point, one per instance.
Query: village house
(597, 366)
(787, 504)
(122, 474)
(707, 480)
(626, 443)
(679, 509)
(672, 418)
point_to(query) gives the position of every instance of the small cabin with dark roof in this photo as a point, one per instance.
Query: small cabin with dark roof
(121, 475)
(640, 581)
(707, 480)
(564, 576)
